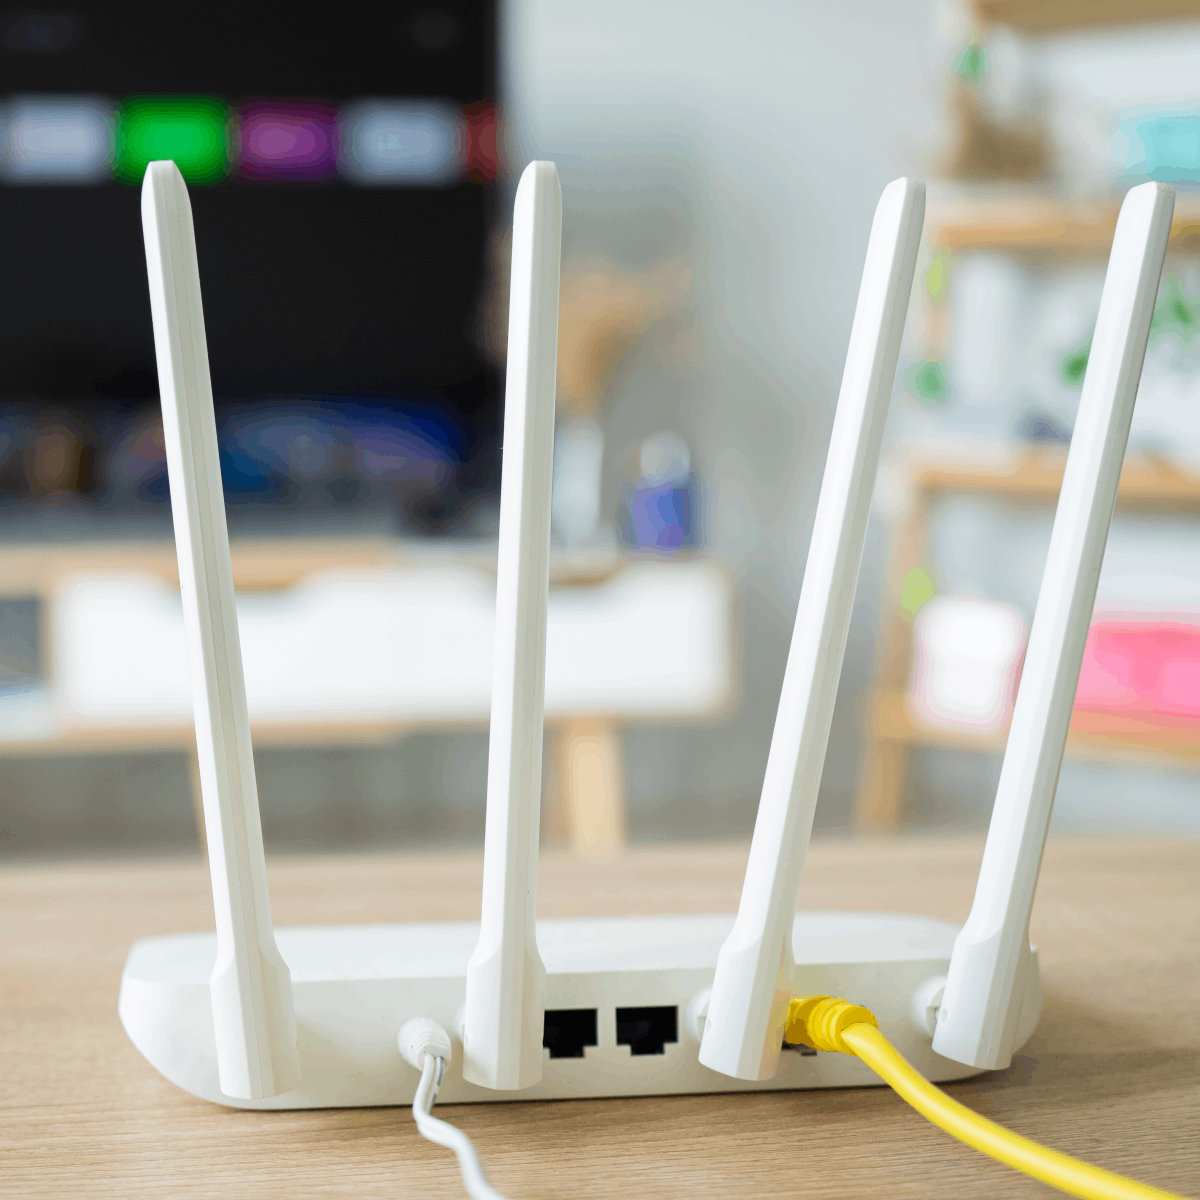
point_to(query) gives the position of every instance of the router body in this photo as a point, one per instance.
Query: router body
(313, 1018)
(355, 986)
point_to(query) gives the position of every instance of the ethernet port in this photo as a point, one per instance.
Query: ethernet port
(567, 1030)
(803, 1050)
(647, 1030)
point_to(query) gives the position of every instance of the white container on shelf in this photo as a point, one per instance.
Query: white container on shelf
(967, 661)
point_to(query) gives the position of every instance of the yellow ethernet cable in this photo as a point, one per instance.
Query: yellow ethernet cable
(826, 1023)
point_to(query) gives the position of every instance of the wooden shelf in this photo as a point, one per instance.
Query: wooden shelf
(1032, 226)
(1021, 223)
(273, 564)
(97, 738)
(1036, 476)
(258, 563)
(1050, 16)
(1133, 736)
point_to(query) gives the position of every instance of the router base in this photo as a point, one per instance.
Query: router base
(355, 986)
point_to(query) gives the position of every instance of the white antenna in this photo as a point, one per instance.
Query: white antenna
(253, 1014)
(504, 1014)
(743, 1031)
(985, 986)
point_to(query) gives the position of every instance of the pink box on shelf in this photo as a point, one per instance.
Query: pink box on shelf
(1141, 666)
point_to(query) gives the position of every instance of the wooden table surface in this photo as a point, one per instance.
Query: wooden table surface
(1112, 1073)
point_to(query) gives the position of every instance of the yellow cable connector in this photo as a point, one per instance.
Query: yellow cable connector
(819, 1021)
(826, 1023)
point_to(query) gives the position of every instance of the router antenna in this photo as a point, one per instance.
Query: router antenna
(743, 1031)
(253, 1013)
(504, 1013)
(986, 982)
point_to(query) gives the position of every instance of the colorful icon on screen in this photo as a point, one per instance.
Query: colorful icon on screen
(190, 130)
(287, 140)
(483, 142)
(58, 140)
(382, 142)
(406, 143)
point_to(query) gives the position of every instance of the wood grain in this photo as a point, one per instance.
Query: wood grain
(1034, 225)
(1043, 16)
(1036, 475)
(1112, 1073)
(1117, 737)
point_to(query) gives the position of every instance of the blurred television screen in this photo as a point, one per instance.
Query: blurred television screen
(339, 167)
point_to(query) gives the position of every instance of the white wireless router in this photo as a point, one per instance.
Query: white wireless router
(306, 1018)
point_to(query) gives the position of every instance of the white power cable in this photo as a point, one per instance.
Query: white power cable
(424, 1044)
(445, 1134)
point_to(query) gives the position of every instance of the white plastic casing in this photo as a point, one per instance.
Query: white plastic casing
(356, 987)
(990, 979)
(251, 990)
(506, 978)
(755, 976)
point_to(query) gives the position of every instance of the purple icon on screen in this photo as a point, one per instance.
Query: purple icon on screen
(287, 140)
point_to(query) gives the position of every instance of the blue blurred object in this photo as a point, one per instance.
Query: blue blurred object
(14, 438)
(346, 450)
(1163, 146)
(1038, 426)
(270, 450)
(137, 467)
(335, 450)
(660, 511)
(417, 445)
(661, 518)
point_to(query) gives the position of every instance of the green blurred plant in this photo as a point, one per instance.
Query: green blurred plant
(1073, 366)
(1175, 315)
(971, 63)
(1176, 312)
(937, 276)
(927, 381)
(918, 588)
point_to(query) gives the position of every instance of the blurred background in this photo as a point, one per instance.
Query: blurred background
(352, 183)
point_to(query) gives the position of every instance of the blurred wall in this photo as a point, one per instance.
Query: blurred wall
(755, 138)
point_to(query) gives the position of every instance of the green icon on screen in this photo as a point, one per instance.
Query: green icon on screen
(190, 130)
